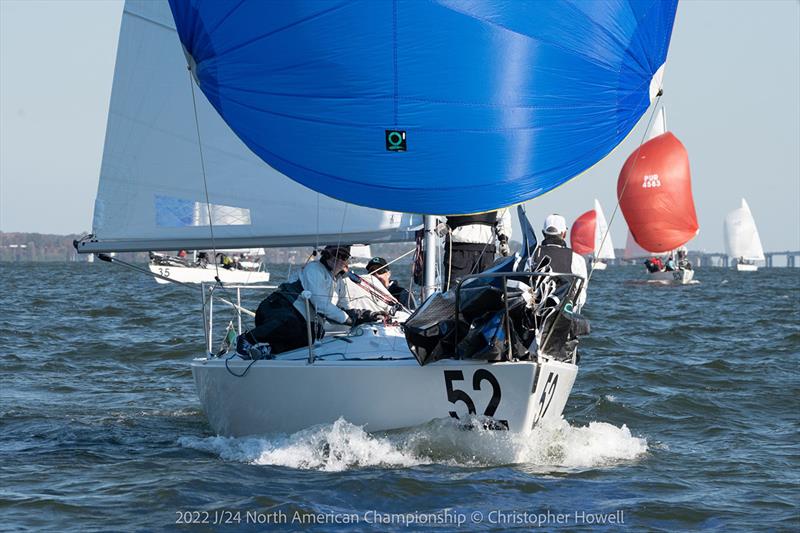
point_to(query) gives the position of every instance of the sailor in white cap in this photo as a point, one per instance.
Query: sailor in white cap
(562, 258)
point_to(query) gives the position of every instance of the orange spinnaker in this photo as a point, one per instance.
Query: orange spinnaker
(657, 201)
(581, 236)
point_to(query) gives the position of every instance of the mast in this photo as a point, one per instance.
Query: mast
(429, 257)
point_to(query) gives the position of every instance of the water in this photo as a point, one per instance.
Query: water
(684, 416)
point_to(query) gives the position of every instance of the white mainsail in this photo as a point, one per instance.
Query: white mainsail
(633, 250)
(152, 195)
(603, 247)
(741, 236)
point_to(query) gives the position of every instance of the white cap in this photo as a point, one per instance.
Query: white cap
(554, 225)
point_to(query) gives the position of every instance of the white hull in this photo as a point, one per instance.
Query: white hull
(288, 394)
(746, 268)
(676, 276)
(206, 275)
(599, 265)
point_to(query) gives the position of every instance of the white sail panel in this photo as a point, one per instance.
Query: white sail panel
(659, 126)
(151, 193)
(633, 250)
(741, 236)
(603, 247)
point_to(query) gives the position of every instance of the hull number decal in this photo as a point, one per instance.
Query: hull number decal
(164, 272)
(457, 395)
(548, 391)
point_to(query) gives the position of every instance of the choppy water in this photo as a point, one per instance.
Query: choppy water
(684, 416)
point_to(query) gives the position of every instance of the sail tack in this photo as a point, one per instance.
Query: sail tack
(741, 236)
(444, 107)
(655, 194)
(151, 194)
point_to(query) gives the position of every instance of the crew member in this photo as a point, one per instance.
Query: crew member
(562, 259)
(470, 244)
(281, 318)
(379, 268)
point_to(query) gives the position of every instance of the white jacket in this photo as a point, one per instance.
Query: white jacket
(482, 234)
(328, 295)
(369, 294)
(579, 269)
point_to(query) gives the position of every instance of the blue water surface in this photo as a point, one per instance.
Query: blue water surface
(684, 416)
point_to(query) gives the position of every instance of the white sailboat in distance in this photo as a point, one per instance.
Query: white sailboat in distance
(742, 242)
(590, 236)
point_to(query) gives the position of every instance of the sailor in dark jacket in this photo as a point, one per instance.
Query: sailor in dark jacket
(562, 258)
(378, 267)
(470, 245)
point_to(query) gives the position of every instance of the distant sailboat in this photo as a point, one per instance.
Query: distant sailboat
(234, 267)
(655, 194)
(590, 236)
(741, 239)
(360, 254)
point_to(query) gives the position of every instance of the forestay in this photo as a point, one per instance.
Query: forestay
(444, 107)
(151, 193)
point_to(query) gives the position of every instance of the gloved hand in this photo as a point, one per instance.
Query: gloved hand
(362, 316)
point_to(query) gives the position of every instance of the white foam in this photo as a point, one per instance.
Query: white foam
(342, 446)
(332, 448)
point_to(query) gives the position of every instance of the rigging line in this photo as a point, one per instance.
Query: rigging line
(203, 168)
(114, 260)
(625, 185)
(396, 259)
(205, 185)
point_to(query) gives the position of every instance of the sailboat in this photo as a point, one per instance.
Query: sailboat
(741, 239)
(232, 267)
(590, 236)
(390, 109)
(655, 194)
(360, 254)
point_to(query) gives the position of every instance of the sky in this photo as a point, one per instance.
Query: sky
(731, 90)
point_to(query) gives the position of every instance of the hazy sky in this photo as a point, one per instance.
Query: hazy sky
(732, 92)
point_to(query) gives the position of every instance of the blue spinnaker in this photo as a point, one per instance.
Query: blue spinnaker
(436, 107)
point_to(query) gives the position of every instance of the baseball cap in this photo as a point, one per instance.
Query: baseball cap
(339, 251)
(554, 225)
(376, 263)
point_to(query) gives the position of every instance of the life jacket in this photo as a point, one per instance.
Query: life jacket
(484, 219)
(288, 291)
(556, 249)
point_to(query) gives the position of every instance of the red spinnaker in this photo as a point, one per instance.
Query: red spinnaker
(581, 236)
(657, 201)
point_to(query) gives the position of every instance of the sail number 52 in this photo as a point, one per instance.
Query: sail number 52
(455, 395)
